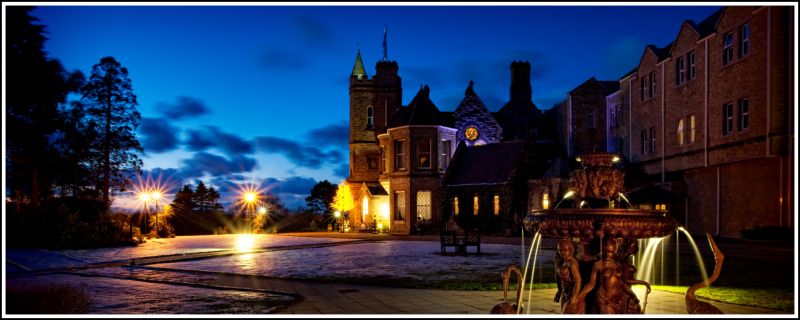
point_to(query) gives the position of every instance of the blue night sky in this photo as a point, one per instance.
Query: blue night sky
(260, 93)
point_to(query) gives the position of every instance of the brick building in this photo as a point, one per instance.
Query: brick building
(399, 154)
(708, 119)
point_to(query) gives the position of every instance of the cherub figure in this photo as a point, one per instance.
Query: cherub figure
(569, 279)
(614, 294)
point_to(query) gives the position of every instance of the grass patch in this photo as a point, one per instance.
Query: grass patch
(773, 298)
(52, 299)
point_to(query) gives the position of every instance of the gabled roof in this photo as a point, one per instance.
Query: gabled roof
(487, 164)
(472, 105)
(421, 111)
(629, 73)
(610, 86)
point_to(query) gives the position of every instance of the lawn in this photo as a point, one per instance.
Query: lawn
(773, 298)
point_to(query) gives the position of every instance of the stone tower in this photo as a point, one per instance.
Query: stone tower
(373, 102)
(519, 117)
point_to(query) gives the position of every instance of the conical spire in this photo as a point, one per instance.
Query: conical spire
(358, 67)
(470, 91)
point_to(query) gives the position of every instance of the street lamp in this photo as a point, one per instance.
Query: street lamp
(336, 215)
(145, 198)
(249, 199)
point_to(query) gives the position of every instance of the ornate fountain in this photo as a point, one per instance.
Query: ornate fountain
(593, 263)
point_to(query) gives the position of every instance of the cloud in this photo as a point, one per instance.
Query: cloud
(213, 137)
(312, 31)
(294, 185)
(214, 165)
(283, 60)
(300, 155)
(185, 107)
(333, 135)
(158, 135)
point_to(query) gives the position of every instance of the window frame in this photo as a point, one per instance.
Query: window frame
(370, 117)
(476, 205)
(691, 73)
(653, 140)
(727, 118)
(692, 128)
(680, 132)
(444, 154)
(680, 71)
(399, 211)
(652, 84)
(399, 155)
(743, 113)
(429, 206)
(744, 40)
(727, 49)
(496, 204)
(420, 152)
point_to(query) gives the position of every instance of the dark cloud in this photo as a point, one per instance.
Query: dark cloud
(283, 60)
(311, 30)
(300, 155)
(185, 107)
(158, 135)
(203, 162)
(213, 137)
(334, 135)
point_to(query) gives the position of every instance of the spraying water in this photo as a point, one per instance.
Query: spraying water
(626, 200)
(696, 255)
(525, 272)
(645, 265)
(535, 255)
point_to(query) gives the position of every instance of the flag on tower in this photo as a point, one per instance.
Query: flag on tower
(384, 44)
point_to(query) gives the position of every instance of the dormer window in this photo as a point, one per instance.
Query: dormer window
(370, 117)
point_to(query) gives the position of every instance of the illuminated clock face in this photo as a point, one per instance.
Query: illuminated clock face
(471, 133)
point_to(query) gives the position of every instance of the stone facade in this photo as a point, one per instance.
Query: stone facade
(472, 113)
(710, 112)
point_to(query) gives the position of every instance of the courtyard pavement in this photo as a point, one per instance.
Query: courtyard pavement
(178, 264)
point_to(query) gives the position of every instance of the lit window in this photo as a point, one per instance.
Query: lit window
(399, 155)
(727, 118)
(545, 201)
(692, 68)
(369, 117)
(744, 40)
(496, 205)
(423, 205)
(399, 205)
(455, 206)
(691, 129)
(679, 132)
(364, 209)
(727, 50)
(444, 157)
(744, 112)
(475, 205)
(424, 153)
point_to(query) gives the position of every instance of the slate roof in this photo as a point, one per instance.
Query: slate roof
(421, 111)
(488, 164)
(663, 52)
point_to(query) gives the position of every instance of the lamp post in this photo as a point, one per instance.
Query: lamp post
(156, 195)
(249, 199)
(336, 215)
(145, 198)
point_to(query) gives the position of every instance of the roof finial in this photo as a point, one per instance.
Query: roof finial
(385, 56)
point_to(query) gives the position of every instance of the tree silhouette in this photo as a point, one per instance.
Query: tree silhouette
(321, 197)
(201, 198)
(36, 87)
(111, 105)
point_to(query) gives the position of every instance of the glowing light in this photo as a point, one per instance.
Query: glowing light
(144, 197)
(545, 201)
(262, 210)
(578, 159)
(380, 226)
(581, 205)
(245, 242)
(569, 193)
(343, 201)
(615, 159)
(156, 195)
(384, 210)
(250, 197)
(337, 214)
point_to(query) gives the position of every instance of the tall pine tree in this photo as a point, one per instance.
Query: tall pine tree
(111, 105)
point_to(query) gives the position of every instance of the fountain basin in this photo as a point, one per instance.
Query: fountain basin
(587, 224)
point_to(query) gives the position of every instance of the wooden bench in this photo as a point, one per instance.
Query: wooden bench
(449, 239)
(472, 238)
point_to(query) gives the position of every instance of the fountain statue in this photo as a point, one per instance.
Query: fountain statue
(597, 277)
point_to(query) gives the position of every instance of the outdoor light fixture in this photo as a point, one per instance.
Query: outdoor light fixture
(615, 159)
(578, 159)
(337, 214)
(250, 197)
(569, 193)
(545, 201)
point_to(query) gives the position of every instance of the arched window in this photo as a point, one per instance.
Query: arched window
(364, 209)
(369, 117)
